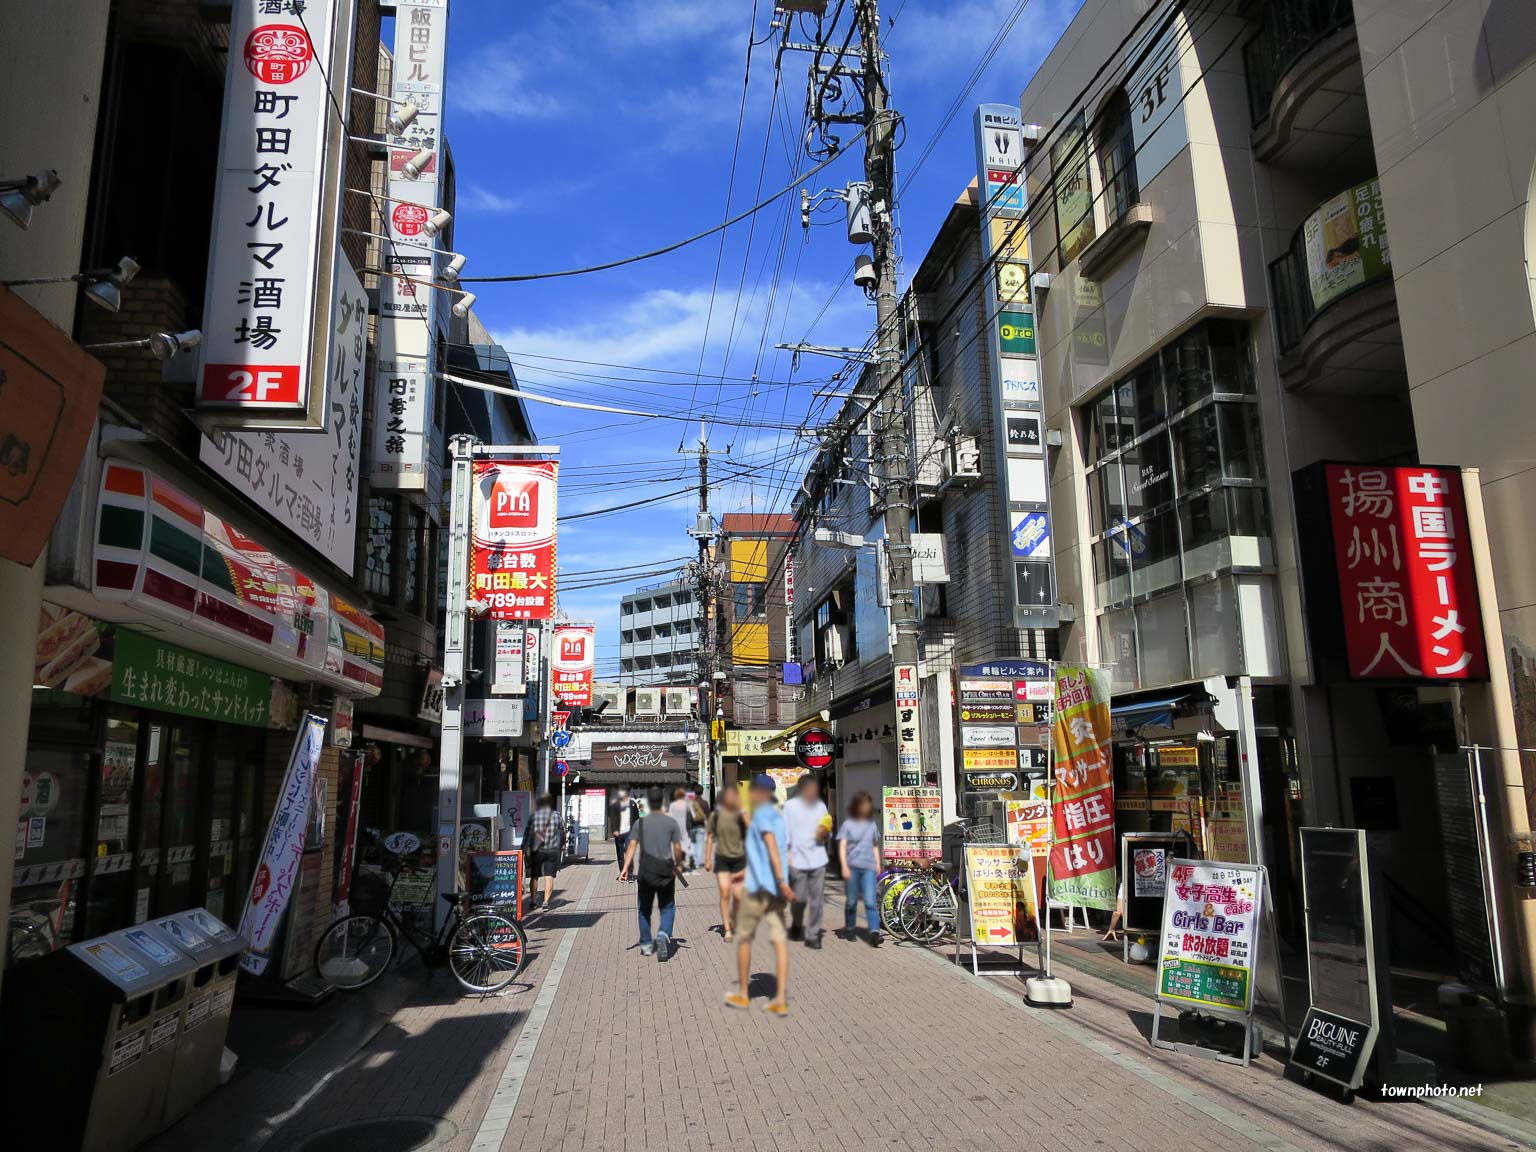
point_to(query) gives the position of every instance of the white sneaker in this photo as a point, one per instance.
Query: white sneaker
(647, 949)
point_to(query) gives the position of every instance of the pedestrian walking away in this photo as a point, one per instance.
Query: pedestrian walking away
(678, 810)
(697, 830)
(807, 828)
(767, 895)
(622, 814)
(657, 842)
(725, 854)
(858, 853)
(541, 840)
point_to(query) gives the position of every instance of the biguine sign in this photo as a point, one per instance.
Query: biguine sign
(1332, 1046)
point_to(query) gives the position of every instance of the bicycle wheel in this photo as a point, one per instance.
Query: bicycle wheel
(915, 914)
(487, 952)
(354, 952)
(891, 894)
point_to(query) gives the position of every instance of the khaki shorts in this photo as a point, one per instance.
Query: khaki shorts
(761, 908)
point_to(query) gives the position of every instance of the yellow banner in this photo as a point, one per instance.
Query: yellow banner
(1001, 885)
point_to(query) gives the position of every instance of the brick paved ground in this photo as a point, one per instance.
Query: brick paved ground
(884, 1049)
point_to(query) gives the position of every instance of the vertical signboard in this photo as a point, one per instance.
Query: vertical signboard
(512, 553)
(914, 823)
(1082, 858)
(1018, 413)
(574, 660)
(277, 873)
(909, 748)
(1001, 894)
(308, 482)
(508, 677)
(1210, 942)
(1406, 585)
(403, 392)
(272, 264)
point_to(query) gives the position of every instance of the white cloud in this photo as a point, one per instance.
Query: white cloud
(477, 198)
(496, 82)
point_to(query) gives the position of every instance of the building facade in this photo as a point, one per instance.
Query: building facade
(659, 635)
(1253, 218)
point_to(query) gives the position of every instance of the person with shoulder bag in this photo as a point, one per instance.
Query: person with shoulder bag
(657, 845)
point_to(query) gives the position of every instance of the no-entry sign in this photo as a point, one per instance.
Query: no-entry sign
(815, 748)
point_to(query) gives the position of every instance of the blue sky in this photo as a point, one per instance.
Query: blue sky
(592, 129)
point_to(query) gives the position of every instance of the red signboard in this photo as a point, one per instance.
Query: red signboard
(512, 561)
(572, 661)
(1406, 585)
(815, 748)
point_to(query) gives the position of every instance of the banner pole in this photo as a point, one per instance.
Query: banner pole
(1046, 990)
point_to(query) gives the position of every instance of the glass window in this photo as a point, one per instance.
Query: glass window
(1107, 497)
(1242, 453)
(1104, 436)
(1155, 553)
(1197, 446)
(1112, 569)
(751, 600)
(179, 832)
(379, 561)
(110, 903)
(1203, 520)
(1148, 474)
(1163, 640)
(1073, 191)
(1217, 630)
(221, 833)
(1117, 648)
(1146, 390)
(1117, 158)
(55, 815)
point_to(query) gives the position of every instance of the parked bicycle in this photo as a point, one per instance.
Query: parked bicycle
(485, 949)
(929, 908)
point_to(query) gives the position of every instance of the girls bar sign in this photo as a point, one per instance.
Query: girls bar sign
(1404, 558)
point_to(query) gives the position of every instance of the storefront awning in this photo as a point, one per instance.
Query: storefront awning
(1135, 713)
(161, 562)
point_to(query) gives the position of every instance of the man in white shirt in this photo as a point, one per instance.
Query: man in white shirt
(807, 827)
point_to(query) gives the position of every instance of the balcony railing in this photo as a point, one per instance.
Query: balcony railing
(1288, 29)
(1340, 248)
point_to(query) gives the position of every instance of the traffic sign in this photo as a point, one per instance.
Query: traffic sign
(815, 748)
(562, 767)
(561, 738)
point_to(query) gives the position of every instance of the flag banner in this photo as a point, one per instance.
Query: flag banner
(1082, 863)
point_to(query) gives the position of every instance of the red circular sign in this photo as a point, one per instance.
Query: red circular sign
(815, 748)
(409, 218)
(278, 53)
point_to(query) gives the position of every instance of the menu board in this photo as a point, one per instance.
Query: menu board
(496, 879)
(1210, 939)
(1000, 886)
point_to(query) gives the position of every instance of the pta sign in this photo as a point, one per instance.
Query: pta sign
(514, 503)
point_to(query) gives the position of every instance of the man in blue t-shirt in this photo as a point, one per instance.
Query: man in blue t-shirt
(768, 894)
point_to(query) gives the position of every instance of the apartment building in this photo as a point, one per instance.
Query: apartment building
(1285, 251)
(658, 635)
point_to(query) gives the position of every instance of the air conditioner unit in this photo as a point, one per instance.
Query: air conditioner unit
(615, 698)
(834, 642)
(647, 701)
(677, 702)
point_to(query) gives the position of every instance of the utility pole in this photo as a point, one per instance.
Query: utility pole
(704, 582)
(880, 172)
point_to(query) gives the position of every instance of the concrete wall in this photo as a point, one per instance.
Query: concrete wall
(1451, 86)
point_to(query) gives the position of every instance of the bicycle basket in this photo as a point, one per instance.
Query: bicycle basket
(370, 893)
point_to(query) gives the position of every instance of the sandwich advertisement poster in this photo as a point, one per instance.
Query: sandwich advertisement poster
(84, 656)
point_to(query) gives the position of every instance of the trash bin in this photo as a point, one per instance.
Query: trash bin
(584, 844)
(101, 1020)
(215, 951)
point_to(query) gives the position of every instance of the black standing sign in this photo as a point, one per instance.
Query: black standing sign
(1144, 860)
(1346, 974)
(496, 879)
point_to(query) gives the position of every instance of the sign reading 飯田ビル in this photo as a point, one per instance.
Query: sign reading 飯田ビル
(1082, 863)
(308, 482)
(1402, 547)
(1210, 943)
(272, 266)
(512, 554)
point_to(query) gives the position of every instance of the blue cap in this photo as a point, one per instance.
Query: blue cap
(764, 781)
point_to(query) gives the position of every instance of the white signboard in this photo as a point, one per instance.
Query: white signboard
(308, 481)
(272, 263)
(403, 392)
(1027, 481)
(277, 875)
(1210, 944)
(928, 565)
(493, 718)
(508, 677)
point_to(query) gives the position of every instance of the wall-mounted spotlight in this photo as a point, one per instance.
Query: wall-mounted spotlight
(400, 117)
(417, 164)
(437, 222)
(163, 345)
(464, 304)
(19, 197)
(103, 286)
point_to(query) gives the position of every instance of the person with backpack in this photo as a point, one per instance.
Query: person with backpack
(657, 842)
(541, 841)
(725, 854)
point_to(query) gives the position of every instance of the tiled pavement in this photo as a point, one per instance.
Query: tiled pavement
(888, 1048)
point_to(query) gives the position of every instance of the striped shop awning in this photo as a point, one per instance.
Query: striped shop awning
(162, 554)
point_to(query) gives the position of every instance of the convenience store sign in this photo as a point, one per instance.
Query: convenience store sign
(153, 674)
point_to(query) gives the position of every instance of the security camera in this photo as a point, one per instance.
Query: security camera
(864, 275)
